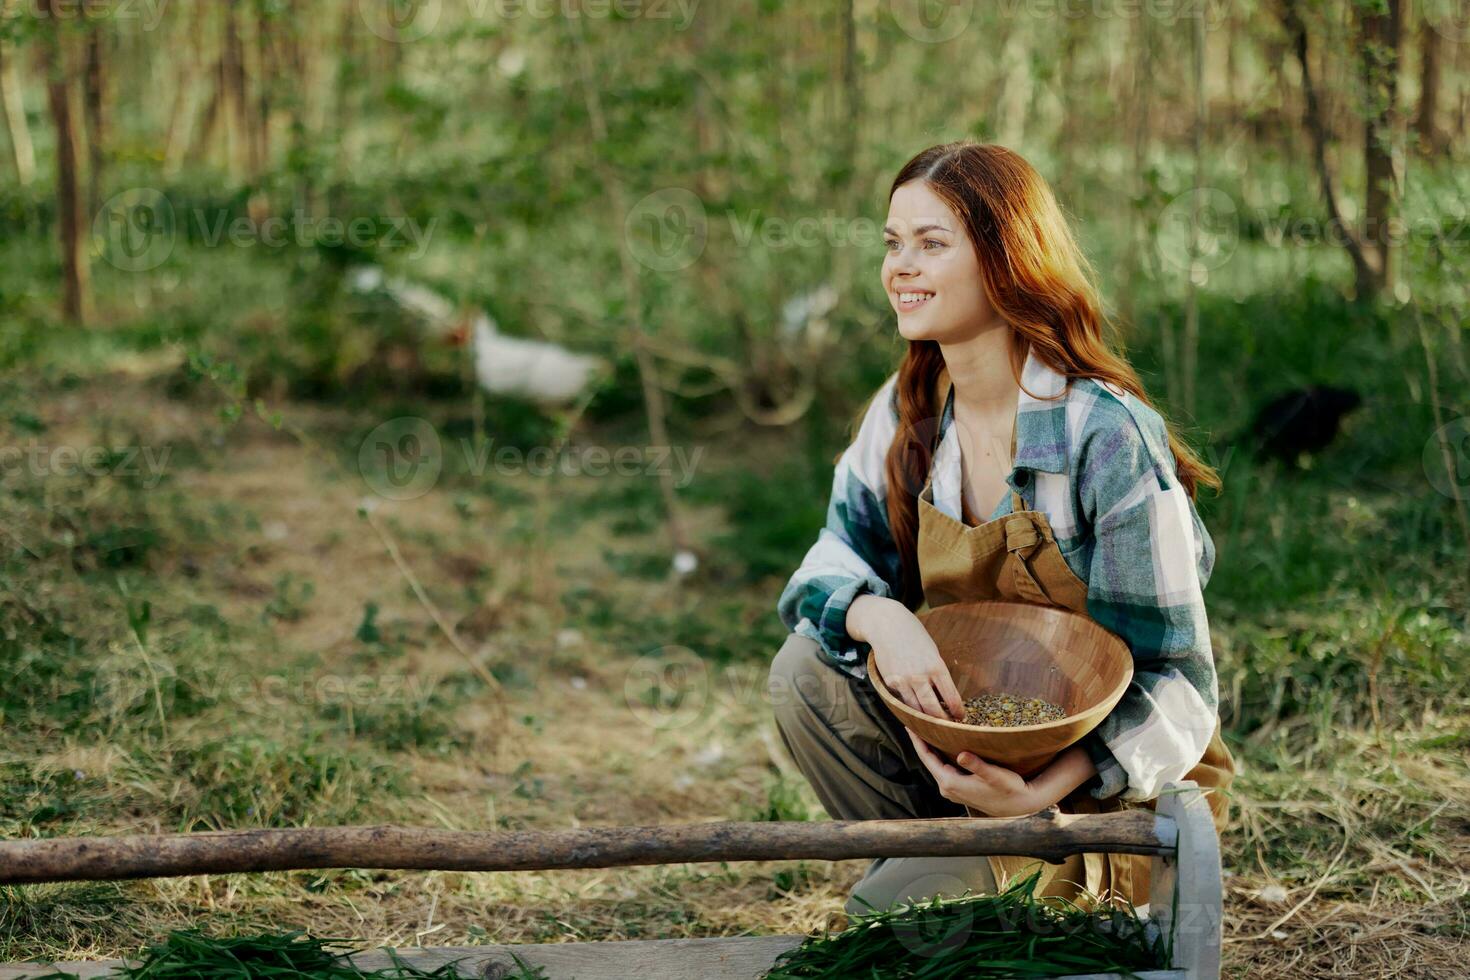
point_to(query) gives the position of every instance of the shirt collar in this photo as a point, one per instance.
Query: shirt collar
(1041, 432)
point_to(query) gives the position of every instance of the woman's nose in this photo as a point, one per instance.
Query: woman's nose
(903, 260)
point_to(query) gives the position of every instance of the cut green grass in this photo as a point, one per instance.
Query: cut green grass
(1012, 933)
(189, 955)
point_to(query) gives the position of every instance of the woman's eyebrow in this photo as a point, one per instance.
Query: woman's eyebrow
(888, 229)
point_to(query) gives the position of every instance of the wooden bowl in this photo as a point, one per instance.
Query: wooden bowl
(1023, 649)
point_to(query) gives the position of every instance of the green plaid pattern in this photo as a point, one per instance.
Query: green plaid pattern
(1096, 461)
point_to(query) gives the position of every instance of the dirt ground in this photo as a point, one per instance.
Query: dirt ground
(247, 508)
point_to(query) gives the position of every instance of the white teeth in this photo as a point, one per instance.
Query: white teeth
(913, 297)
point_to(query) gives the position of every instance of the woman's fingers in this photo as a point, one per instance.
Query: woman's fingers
(951, 696)
(913, 692)
(934, 696)
(930, 701)
(931, 761)
(924, 752)
(921, 695)
(910, 696)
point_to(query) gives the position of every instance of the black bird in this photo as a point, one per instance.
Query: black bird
(1304, 420)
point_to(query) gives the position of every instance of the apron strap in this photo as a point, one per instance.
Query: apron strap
(1022, 540)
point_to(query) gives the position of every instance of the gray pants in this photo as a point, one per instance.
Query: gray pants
(858, 758)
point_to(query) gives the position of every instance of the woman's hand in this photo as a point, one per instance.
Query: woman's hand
(906, 655)
(993, 790)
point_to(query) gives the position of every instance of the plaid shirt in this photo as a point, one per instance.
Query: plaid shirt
(1105, 478)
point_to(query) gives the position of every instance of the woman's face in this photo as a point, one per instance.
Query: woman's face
(931, 272)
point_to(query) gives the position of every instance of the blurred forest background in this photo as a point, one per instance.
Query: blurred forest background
(299, 302)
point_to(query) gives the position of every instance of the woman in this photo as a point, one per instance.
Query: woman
(1013, 455)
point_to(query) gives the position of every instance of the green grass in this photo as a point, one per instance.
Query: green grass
(129, 610)
(785, 801)
(189, 955)
(257, 782)
(1013, 933)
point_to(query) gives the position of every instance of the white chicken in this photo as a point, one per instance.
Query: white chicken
(804, 316)
(536, 370)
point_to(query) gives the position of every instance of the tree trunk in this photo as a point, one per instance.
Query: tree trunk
(232, 107)
(181, 115)
(269, 66)
(348, 73)
(653, 394)
(76, 300)
(22, 151)
(1016, 83)
(255, 66)
(848, 147)
(209, 117)
(1427, 122)
(96, 120)
(1382, 148)
(1233, 83)
(1190, 346)
(1364, 273)
(1462, 110)
(1138, 102)
(303, 104)
(709, 185)
(1066, 81)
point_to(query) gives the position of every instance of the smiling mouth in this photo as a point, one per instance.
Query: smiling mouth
(909, 300)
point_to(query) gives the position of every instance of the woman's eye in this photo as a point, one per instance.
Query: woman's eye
(931, 241)
(890, 243)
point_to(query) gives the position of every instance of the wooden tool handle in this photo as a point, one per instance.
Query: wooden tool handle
(1048, 835)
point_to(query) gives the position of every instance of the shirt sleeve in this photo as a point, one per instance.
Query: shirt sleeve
(1151, 559)
(854, 552)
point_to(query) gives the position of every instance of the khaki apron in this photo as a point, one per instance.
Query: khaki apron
(1015, 557)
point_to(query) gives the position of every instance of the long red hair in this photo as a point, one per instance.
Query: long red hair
(1039, 282)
